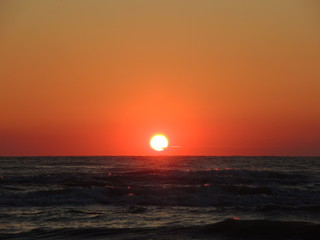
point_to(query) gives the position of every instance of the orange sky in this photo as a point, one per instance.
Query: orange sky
(83, 77)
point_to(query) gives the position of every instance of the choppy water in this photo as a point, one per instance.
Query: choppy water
(159, 197)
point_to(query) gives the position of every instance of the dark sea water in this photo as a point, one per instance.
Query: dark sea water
(159, 197)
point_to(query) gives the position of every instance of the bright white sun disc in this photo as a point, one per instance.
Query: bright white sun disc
(159, 142)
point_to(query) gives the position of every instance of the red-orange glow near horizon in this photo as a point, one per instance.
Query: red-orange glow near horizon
(217, 77)
(159, 142)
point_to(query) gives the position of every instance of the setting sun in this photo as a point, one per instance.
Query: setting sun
(159, 142)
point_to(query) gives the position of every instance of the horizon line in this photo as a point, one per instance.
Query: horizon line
(1, 156)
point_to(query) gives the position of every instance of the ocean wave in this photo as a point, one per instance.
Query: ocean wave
(226, 187)
(308, 208)
(196, 196)
(167, 176)
(227, 229)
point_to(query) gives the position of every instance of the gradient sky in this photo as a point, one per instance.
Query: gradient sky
(80, 77)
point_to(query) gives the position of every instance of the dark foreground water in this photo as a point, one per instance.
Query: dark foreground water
(159, 198)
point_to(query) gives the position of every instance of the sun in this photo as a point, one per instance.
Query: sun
(159, 142)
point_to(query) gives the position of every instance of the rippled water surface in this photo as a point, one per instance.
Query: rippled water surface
(159, 197)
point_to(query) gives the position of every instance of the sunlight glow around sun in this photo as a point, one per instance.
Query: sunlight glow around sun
(159, 142)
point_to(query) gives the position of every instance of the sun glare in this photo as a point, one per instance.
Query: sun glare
(159, 142)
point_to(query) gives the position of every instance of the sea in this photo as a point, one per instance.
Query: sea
(160, 197)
